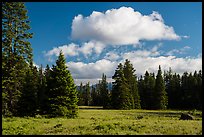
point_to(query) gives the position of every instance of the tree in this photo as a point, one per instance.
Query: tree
(121, 98)
(104, 92)
(93, 96)
(42, 87)
(16, 53)
(161, 99)
(63, 95)
(80, 95)
(147, 90)
(87, 99)
(131, 78)
(27, 104)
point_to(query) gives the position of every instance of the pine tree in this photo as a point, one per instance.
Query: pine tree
(16, 53)
(131, 78)
(80, 95)
(87, 99)
(42, 87)
(141, 92)
(44, 91)
(184, 88)
(104, 92)
(161, 98)
(199, 88)
(27, 105)
(120, 93)
(63, 95)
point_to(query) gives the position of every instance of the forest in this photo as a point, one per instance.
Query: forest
(29, 91)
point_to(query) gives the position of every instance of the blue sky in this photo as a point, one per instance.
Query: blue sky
(95, 42)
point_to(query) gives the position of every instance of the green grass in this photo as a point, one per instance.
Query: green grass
(96, 121)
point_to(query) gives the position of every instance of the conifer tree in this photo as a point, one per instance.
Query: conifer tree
(63, 95)
(161, 98)
(80, 95)
(87, 99)
(42, 87)
(16, 53)
(46, 85)
(120, 93)
(184, 88)
(199, 89)
(27, 104)
(131, 78)
(104, 92)
(141, 88)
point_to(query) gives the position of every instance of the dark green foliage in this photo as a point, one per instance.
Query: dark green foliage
(62, 91)
(147, 90)
(27, 104)
(173, 89)
(105, 99)
(191, 86)
(87, 94)
(94, 96)
(161, 99)
(131, 78)
(42, 87)
(16, 53)
(121, 96)
(80, 95)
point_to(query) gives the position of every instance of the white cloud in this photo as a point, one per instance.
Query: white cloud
(89, 47)
(178, 51)
(71, 50)
(91, 81)
(185, 36)
(143, 53)
(112, 56)
(92, 70)
(121, 27)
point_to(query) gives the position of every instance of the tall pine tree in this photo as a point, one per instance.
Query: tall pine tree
(27, 105)
(16, 53)
(121, 97)
(161, 98)
(63, 95)
(131, 78)
(104, 92)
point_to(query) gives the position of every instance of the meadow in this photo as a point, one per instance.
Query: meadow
(97, 121)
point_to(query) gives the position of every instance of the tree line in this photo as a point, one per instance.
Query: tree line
(163, 91)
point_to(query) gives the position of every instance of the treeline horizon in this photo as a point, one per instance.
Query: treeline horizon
(180, 91)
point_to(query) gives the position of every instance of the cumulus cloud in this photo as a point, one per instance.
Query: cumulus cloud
(112, 56)
(142, 53)
(81, 70)
(121, 26)
(72, 49)
(89, 47)
(178, 51)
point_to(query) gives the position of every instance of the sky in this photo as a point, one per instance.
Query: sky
(96, 36)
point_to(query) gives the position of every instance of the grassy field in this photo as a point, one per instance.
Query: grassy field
(96, 121)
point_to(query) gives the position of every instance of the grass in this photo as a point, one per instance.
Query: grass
(96, 121)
